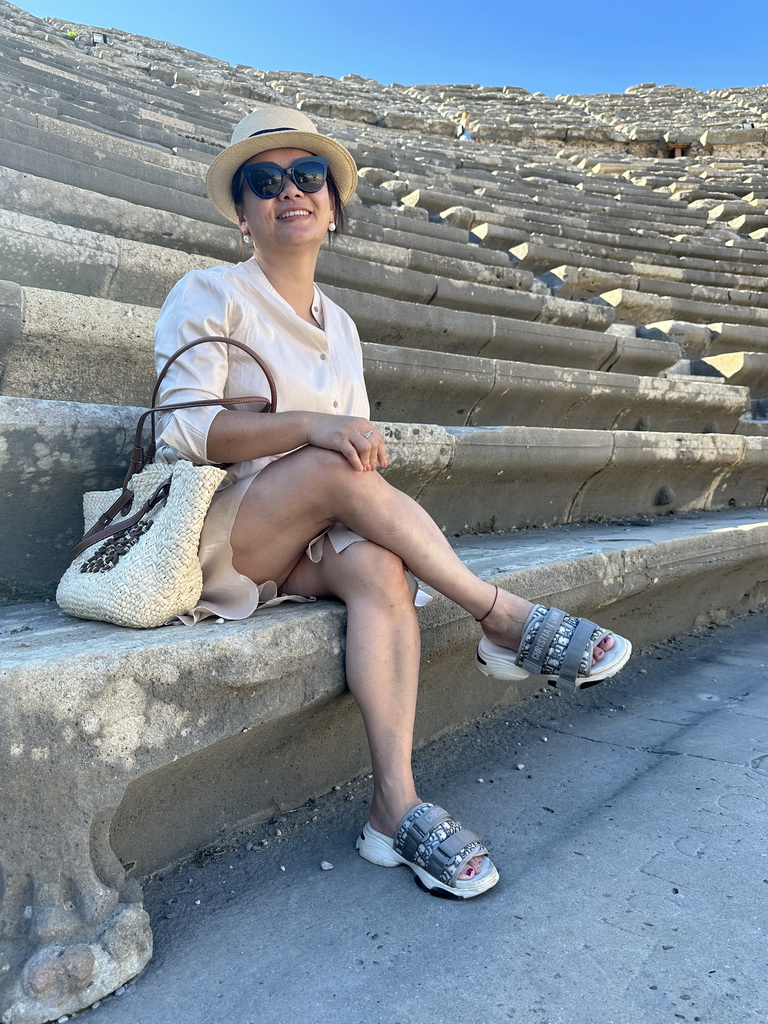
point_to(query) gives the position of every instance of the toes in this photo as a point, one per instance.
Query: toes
(471, 869)
(602, 648)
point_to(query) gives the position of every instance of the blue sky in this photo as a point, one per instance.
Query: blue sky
(554, 46)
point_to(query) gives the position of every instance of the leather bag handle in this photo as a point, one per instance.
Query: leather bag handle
(104, 527)
(139, 456)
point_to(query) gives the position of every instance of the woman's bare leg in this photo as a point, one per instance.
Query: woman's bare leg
(300, 495)
(382, 663)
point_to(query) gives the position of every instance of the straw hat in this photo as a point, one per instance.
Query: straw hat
(270, 127)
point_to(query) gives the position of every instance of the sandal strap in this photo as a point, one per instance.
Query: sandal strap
(539, 633)
(449, 857)
(416, 826)
(579, 646)
(555, 643)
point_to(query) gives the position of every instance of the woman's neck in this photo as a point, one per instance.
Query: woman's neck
(293, 279)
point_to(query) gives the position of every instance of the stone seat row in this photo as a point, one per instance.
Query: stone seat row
(121, 269)
(541, 252)
(39, 251)
(72, 143)
(581, 268)
(580, 283)
(108, 774)
(470, 479)
(85, 349)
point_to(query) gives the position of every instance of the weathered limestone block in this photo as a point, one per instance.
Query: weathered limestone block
(400, 121)
(745, 223)
(69, 205)
(747, 369)
(435, 202)
(458, 217)
(350, 112)
(50, 453)
(694, 339)
(732, 136)
(374, 196)
(716, 465)
(397, 187)
(727, 337)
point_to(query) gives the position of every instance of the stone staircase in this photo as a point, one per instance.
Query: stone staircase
(565, 336)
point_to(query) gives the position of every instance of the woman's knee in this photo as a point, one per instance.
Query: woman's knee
(365, 568)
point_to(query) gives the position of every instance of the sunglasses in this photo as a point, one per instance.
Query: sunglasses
(267, 180)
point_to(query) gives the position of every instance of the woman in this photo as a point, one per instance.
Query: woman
(304, 513)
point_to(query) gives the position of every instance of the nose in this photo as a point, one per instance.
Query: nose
(289, 189)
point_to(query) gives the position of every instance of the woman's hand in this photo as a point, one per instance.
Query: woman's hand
(355, 438)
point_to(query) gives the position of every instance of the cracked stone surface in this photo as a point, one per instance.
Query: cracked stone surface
(632, 852)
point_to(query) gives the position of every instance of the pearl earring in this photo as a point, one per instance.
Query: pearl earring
(247, 239)
(332, 226)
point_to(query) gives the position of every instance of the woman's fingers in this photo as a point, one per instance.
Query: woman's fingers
(357, 440)
(372, 450)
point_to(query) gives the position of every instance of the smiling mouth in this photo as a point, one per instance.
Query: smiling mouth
(294, 213)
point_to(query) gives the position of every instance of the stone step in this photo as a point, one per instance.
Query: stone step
(542, 248)
(84, 81)
(147, 723)
(544, 255)
(83, 145)
(572, 213)
(633, 307)
(68, 205)
(578, 284)
(87, 349)
(103, 181)
(470, 479)
(663, 274)
(731, 337)
(38, 252)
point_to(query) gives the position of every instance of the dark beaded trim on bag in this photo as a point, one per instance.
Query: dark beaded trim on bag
(108, 555)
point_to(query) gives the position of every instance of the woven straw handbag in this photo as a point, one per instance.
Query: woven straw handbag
(138, 564)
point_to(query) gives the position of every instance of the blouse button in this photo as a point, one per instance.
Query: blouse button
(323, 355)
(335, 405)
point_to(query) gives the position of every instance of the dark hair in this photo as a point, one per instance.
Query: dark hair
(339, 209)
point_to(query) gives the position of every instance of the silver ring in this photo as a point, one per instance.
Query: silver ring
(367, 433)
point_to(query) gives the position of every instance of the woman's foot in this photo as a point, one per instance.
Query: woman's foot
(437, 849)
(387, 820)
(504, 625)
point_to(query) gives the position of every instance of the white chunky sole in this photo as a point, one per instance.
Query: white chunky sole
(499, 663)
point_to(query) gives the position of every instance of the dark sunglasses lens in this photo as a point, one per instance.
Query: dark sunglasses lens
(309, 175)
(265, 182)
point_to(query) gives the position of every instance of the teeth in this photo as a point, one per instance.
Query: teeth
(293, 213)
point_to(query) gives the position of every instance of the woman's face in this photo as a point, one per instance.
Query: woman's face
(292, 218)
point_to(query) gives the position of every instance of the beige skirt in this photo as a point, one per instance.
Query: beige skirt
(227, 594)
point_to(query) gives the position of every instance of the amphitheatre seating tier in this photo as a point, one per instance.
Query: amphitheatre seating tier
(87, 348)
(470, 479)
(533, 310)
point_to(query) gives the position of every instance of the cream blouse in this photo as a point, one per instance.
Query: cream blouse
(315, 370)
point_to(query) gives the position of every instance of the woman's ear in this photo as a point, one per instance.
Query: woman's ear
(245, 231)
